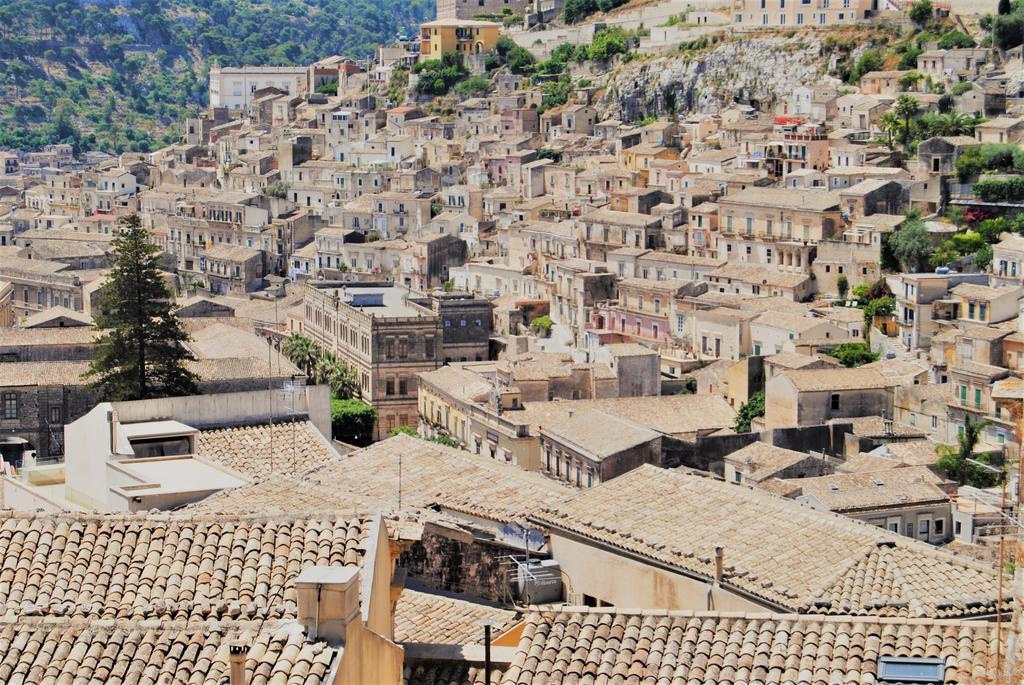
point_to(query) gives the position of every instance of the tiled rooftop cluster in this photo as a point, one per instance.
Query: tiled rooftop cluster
(266, 450)
(164, 567)
(45, 651)
(436, 619)
(669, 648)
(792, 556)
(431, 474)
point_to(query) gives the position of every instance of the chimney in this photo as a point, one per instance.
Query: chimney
(236, 659)
(719, 563)
(113, 423)
(328, 599)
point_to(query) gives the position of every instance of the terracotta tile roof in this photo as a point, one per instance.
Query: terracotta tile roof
(56, 651)
(297, 445)
(765, 460)
(459, 382)
(819, 380)
(911, 452)
(43, 373)
(581, 645)
(785, 553)
(435, 619)
(795, 360)
(666, 414)
(982, 292)
(367, 479)
(866, 490)
(876, 427)
(164, 566)
(597, 434)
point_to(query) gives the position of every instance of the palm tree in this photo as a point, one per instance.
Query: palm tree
(955, 462)
(890, 124)
(342, 380)
(301, 351)
(956, 124)
(906, 109)
(325, 361)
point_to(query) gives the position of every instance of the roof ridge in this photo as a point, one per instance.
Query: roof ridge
(533, 611)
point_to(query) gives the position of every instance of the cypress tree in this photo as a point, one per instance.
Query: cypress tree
(141, 352)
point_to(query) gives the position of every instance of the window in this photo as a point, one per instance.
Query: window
(924, 527)
(835, 401)
(680, 323)
(911, 669)
(737, 477)
(55, 415)
(940, 526)
(10, 405)
(403, 388)
(389, 387)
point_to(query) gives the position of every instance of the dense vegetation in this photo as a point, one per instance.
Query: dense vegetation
(118, 76)
(578, 10)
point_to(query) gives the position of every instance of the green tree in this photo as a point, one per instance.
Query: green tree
(889, 123)
(911, 244)
(906, 109)
(541, 325)
(854, 354)
(842, 286)
(955, 39)
(341, 378)
(983, 257)
(751, 409)
(474, 86)
(403, 430)
(954, 462)
(520, 61)
(1008, 31)
(141, 351)
(608, 43)
(301, 351)
(352, 422)
(277, 189)
(921, 12)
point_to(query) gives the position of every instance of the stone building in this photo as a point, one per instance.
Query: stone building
(591, 447)
(36, 400)
(388, 338)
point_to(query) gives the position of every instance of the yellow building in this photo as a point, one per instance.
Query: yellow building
(465, 36)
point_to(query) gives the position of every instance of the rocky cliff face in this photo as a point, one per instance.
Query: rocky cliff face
(757, 71)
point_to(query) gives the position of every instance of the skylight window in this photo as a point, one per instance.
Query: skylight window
(897, 669)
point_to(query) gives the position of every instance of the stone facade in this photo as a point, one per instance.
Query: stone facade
(452, 560)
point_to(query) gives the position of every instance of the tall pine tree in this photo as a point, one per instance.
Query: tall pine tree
(141, 353)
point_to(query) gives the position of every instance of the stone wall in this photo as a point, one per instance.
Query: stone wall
(452, 560)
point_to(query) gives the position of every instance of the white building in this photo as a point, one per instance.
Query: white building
(233, 87)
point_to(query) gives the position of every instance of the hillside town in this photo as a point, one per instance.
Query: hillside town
(452, 369)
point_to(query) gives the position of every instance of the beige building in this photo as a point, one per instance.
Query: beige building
(388, 339)
(910, 501)
(816, 396)
(591, 447)
(777, 227)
